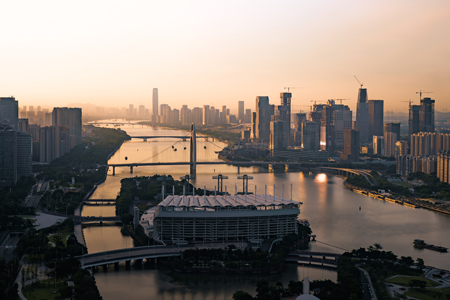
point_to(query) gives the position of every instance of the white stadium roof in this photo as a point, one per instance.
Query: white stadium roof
(225, 201)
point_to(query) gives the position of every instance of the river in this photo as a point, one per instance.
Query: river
(332, 210)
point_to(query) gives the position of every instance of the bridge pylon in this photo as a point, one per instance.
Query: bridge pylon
(193, 153)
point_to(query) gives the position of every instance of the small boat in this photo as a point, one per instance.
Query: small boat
(421, 244)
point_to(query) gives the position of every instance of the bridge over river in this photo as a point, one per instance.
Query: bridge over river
(160, 251)
(193, 161)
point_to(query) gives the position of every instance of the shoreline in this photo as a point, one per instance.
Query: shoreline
(403, 202)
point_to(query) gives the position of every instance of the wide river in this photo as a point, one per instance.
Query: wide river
(340, 218)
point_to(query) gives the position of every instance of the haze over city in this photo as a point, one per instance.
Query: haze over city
(113, 53)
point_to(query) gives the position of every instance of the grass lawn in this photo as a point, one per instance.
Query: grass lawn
(63, 234)
(403, 280)
(43, 291)
(429, 294)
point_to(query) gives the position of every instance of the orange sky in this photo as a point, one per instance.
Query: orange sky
(111, 53)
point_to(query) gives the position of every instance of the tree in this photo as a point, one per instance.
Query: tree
(420, 263)
(416, 283)
(377, 246)
(406, 260)
(241, 295)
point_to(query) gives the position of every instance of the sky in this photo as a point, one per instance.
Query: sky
(113, 53)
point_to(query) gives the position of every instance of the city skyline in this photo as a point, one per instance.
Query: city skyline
(213, 54)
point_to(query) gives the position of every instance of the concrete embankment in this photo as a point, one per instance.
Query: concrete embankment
(412, 203)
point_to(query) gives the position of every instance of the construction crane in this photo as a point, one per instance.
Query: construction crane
(316, 101)
(420, 93)
(358, 81)
(409, 102)
(292, 87)
(340, 100)
(296, 106)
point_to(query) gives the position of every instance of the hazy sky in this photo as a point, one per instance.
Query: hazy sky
(111, 53)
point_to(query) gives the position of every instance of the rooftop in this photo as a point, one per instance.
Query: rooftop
(226, 201)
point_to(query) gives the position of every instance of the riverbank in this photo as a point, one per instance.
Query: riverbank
(408, 202)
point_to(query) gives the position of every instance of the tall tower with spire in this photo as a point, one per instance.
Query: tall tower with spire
(362, 115)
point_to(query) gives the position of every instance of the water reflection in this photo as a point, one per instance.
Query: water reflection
(322, 177)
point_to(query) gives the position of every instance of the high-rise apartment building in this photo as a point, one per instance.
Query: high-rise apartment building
(362, 116)
(390, 139)
(206, 115)
(185, 115)
(9, 111)
(15, 155)
(130, 112)
(248, 116)
(443, 166)
(378, 145)
(334, 119)
(284, 110)
(155, 104)
(401, 148)
(241, 111)
(165, 113)
(392, 127)
(426, 115)
(70, 118)
(197, 116)
(278, 138)
(421, 117)
(23, 148)
(310, 136)
(264, 111)
(351, 145)
(376, 111)
(8, 155)
(141, 111)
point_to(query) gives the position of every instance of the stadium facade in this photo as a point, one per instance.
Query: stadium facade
(221, 218)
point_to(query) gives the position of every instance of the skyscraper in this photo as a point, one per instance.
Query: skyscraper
(206, 115)
(155, 104)
(241, 111)
(8, 154)
(414, 120)
(264, 111)
(15, 154)
(284, 110)
(310, 136)
(70, 118)
(278, 138)
(23, 154)
(376, 108)
(351, 145)
(362, 116)
(426, 115)
(9, 111)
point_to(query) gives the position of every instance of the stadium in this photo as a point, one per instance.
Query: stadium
(182, 219)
